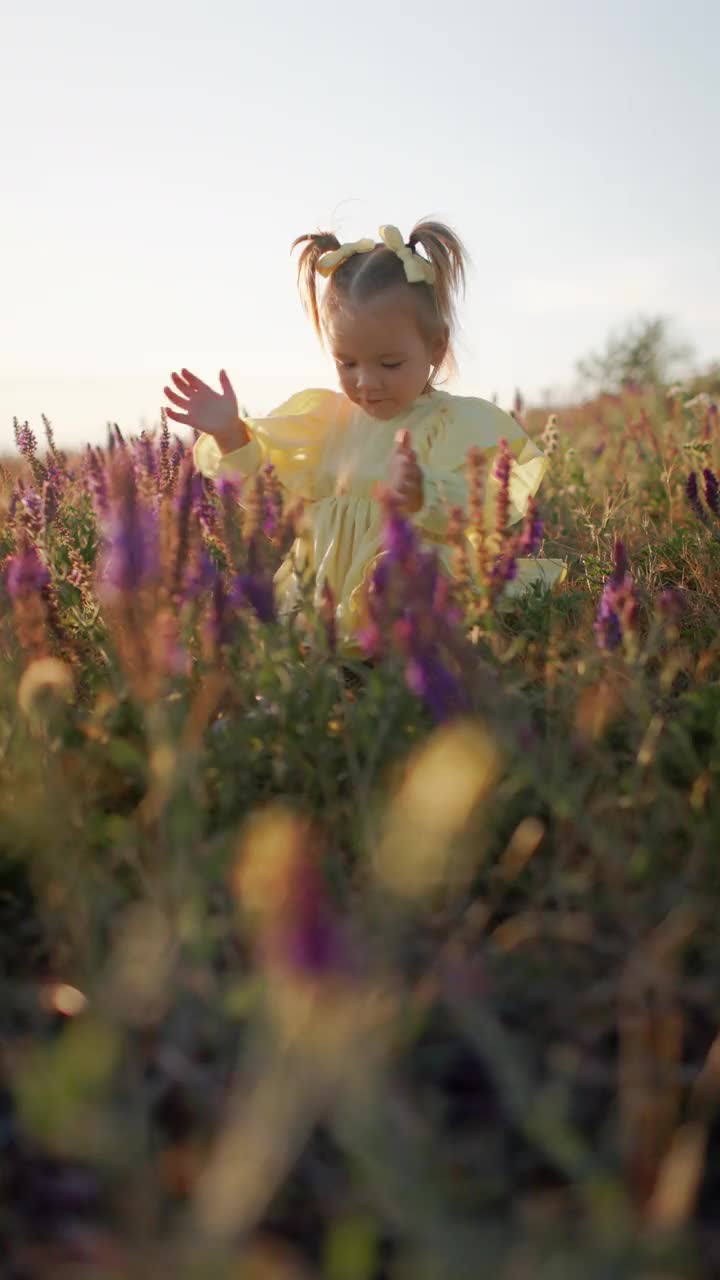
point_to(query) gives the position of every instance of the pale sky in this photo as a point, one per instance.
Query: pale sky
(159, 157)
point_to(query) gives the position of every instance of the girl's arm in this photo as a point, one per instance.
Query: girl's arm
(292, 439)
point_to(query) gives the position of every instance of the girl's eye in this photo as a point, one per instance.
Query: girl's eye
(396, 365)
(347, 364)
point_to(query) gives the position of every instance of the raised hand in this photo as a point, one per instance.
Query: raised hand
(215, 413)
(406, 480)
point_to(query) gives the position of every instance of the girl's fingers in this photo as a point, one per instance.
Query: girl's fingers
(197, 383)
(182, 384)
(184, 418)
(181, 401)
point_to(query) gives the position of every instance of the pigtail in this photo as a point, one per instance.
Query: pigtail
(448, 255)
(316, 244)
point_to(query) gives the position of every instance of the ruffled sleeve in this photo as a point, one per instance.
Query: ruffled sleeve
(293, 438)
(463, 423)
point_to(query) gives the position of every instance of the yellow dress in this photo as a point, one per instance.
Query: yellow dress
(330, 453)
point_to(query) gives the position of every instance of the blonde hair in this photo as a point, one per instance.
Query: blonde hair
(363, 275)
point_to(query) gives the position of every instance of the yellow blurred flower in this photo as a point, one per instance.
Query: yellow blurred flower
(420, 850)
(45, 678)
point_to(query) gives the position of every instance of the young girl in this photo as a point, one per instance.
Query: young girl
(387, 314)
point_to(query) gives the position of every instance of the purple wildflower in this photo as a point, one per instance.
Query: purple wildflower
(49, 435)
(607, 623)
(176, 459)
(26, 574)
(272, 503)
(712, 491)
(49, 502)
(399, 537)
(132, 547)
(502, 471)
(437, 687)
(94, 464)
(25, 439)
(190, 489)
(256, 591)
(146, 453)
(303, 934)
(617, 610)
(533, 529)
(32, 511)
(165, 470)
(207, 514)
(228, 489)
(313, 946)
(505, 566)
(201, 577)
(693, 497)
(132, 540)
(412, 611)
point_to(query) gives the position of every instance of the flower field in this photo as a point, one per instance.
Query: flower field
(394, 967)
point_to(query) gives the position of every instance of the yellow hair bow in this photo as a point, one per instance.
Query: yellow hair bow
(330, 261)
(417, 270)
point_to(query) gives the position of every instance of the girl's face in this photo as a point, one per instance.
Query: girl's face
(383, 360)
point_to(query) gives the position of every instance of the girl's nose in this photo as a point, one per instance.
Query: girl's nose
(366, 379)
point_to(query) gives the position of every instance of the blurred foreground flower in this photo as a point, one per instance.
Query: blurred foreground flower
(131, 547)
(328, 1027)
(47, 680)
(422, 851)
(26, 573)
(280, 884)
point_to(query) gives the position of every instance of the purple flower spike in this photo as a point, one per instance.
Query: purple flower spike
(617, 610)
(25, 439)
(132, 549)
(132, 539)
(201, 577)
(26, 574)
(430, 681)
(400, 538)
(312, 943)
(533, 529)
(607, 623)
(257, 592)
(693, 497)
(712, 491)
